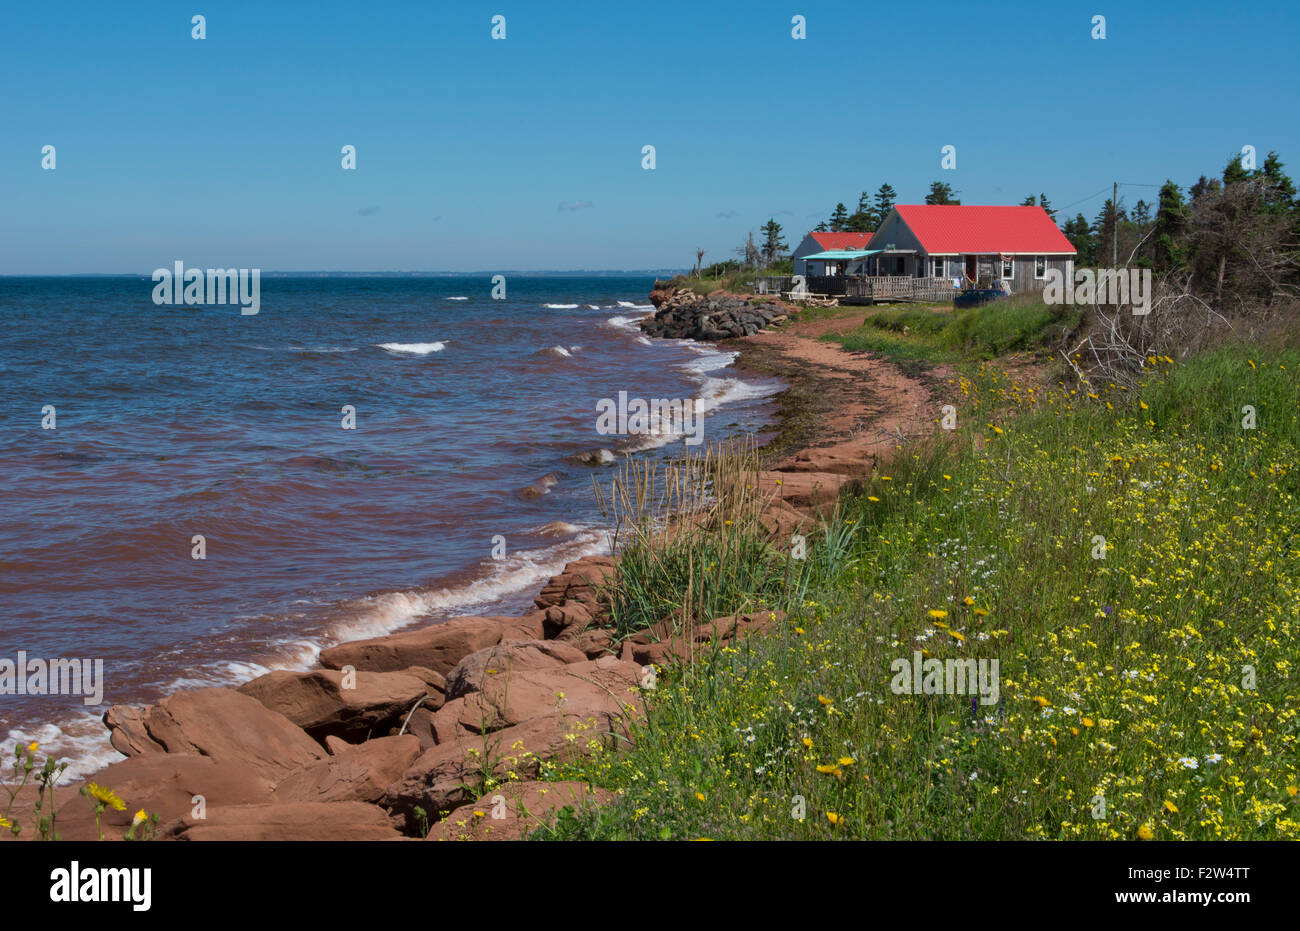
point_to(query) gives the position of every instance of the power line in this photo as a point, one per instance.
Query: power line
(1103, 191)
(1082, 199)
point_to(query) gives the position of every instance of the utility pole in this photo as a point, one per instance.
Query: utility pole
(1114, 223)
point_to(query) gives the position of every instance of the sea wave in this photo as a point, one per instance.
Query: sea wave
(559, 351)
(561, 306)
(412, 349)
(379, 615)
(626, 323)
(81, 741)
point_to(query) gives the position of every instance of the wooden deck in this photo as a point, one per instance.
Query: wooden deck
(881, 289)
(897, 289)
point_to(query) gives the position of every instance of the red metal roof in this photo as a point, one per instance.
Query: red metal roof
(949, 228)
(846, 241)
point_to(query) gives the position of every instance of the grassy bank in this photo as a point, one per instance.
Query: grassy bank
(1128, 557)
(937, 333)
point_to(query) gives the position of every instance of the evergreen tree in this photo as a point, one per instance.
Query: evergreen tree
(774, 245)
(839, 218)
(1280, 192)
(886, 196)
(1233, 173)
(1040, 202)
(864, 219)
(1204, 186)
(940, 193)
(821, 227)
(1080, 237)
(1169, 248)
(1047, 207)
(1105, 229)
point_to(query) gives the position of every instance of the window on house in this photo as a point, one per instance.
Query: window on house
(937, 267)
(1040, 266)
(1008, 268)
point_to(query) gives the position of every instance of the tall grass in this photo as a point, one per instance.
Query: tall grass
(1146, 690)
(944, 335)
(692, 545)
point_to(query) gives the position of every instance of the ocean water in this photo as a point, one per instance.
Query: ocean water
(177, 421)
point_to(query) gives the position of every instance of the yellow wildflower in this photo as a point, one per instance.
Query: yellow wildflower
(105, 796)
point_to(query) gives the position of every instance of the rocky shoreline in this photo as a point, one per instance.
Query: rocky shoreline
(683, 314)
(386, 740)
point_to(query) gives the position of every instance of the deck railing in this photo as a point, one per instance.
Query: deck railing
(774, 284)
(900, 288)
(876, 288)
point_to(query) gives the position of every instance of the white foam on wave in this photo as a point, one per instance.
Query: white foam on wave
(560, 351)
(626, 323)
(715, 392)
(635, 306)
(412, 349)
(558, 528)
(644, 341)
(457, 298)
(324, 349)
(81, 741)
(593, 307)
(561, 306)
(710, 360)
(386, 613)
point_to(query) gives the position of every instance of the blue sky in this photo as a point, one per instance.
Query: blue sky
(226, 151)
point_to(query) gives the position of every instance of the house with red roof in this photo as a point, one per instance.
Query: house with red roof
(967, 243)
(808, 255)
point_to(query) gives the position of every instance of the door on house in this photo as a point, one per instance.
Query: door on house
(970, 267)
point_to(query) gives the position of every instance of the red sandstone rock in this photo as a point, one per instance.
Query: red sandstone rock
(592, 687)
(802, 490)
(595, 643)
(439, 647)
(567, 616)
(443, 778)
(358, 774)
(580, 583)
(445, 723)
(436, 681)
(420, 725)
(228, 727)
(127, 732)
(313, 821)
(505, 658)
(841, 460)
(528, 627)
(163, 784)
(321, 703)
